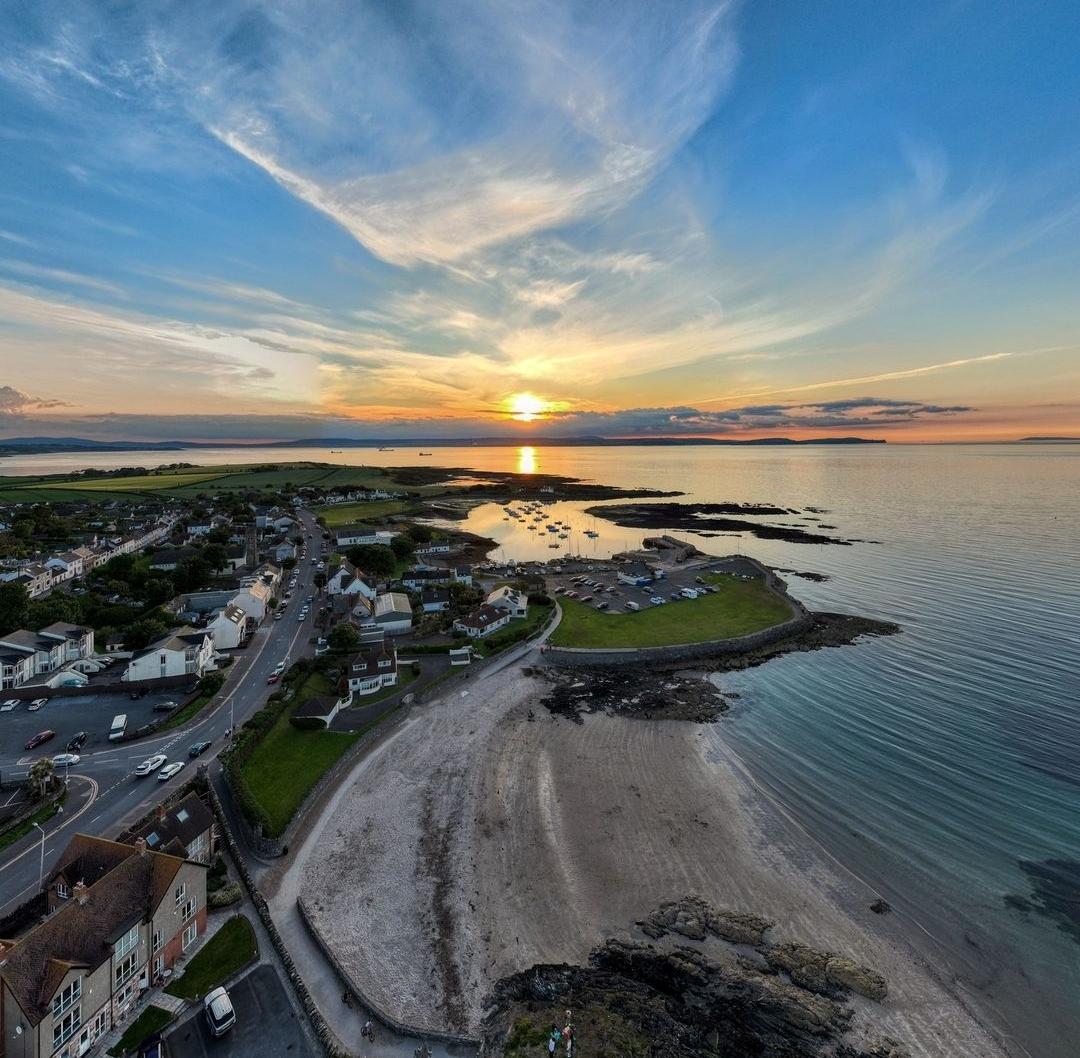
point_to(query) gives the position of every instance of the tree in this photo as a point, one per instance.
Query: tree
(373, 558)
(211, 683)
(159, 590)
(14, 606)
(288, 563)
(191, 573)
(40, 775)
(344, 637)
(143, 632)
(402, 546)
(214, 556)
(419, 534)
(320, 580)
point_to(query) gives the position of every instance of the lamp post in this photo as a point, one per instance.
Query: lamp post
(41, 868)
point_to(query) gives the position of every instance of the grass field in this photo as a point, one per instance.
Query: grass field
(138, 483)
(152, 1019)
(226, 952)
(740, 607)
(348, 513)
(287, 763)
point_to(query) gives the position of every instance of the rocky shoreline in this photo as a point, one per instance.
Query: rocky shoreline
(729, 992)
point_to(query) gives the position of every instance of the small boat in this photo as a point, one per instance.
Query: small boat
(425, 453)
(554, 545)
(591, 532)
(385, 449)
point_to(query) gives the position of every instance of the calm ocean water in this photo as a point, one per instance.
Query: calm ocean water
(942, 764)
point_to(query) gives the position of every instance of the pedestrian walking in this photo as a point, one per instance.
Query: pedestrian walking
(553, 1039)
(569, 1037)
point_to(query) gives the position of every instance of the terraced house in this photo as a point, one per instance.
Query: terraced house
(119, 916)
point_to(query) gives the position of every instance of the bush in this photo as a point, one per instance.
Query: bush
(225, 896)
(307, 723)
(539, 599)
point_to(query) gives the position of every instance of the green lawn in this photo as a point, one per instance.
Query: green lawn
(740, 607)
(138, 483)
(348, 513)
(287, 763)
(152, 1019)
(226, 952)
(517, 631)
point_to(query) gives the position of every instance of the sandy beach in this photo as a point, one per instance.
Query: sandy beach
(477, 840)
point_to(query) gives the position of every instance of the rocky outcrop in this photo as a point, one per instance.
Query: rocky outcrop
(696, 919)
(634, 998)
(825, 973)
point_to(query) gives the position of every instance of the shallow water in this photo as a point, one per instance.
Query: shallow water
(938, 762)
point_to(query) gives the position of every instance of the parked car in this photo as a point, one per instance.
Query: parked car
(165, 707)
(151, 764)
(66, 760)
(218, 1008)
(199, 748)
(10, 704)
(37, 703)
(658, 600)
(279, 668)
(77, 741)
(273, 677)
(169, 770)
(279, 615)
(39, 739)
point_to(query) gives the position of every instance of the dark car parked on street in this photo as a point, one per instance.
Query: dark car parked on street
(77, 741)
(198, 748)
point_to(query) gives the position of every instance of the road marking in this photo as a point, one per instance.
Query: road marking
(56, 830)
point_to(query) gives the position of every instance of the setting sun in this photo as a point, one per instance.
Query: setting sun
(525, 407)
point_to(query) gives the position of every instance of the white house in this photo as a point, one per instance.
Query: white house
(65, 566)
(46, 654)
(433, 547)
(481, 623)
(462, 575)
(348, 580)
(228, 627)
(372, 668)
(78, 641)
(434, 600)
(254, 600)
(510, 600)
(424, 577)
(354, 535)
(183, 652)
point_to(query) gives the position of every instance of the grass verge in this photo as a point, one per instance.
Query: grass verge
(226, 952)
(152, 1019)
(738, 608)
(9, 837)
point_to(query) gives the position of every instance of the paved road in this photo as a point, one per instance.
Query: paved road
(105, 796)
(266, 1024)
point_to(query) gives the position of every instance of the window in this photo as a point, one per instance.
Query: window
(384, 663)
(190, 933)
(62, 890)
(178, 895)
(128, 941)
(63, 1029)
(158, 940)
(67, 998)
(189, 909)
(125, 969)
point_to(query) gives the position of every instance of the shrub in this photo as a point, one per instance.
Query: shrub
(225, 896)
(307, 723)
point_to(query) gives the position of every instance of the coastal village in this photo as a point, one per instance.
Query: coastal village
(247, 652)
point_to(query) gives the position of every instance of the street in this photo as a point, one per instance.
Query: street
(104, 796)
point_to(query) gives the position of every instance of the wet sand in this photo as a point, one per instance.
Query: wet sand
(474, 842)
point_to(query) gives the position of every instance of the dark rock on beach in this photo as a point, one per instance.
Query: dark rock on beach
(632, 692)
(709, 517)
(696, 919)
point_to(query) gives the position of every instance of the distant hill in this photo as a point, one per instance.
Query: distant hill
(1049, 440)
(38, 445)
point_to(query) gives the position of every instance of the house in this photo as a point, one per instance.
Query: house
(462, 575)
(264, 516)
(46, 653)
(183, 652)
(236, 557)
(635, 573)
(65, 566)
(78, 641)
(509, 599)
(433, 547)
(348, 580)
(168, 558)
(282, 550)
(254, 600)
(119, 916)
(322, 707)
(392, 612)
(35, 577)
(185, 829)
(229, 627)
(434, 600)
(372, 668)
(424, 577)
(16, 667)
(482, 622)
(355, 535)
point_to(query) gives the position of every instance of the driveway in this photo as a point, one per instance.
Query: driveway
(265, 1024)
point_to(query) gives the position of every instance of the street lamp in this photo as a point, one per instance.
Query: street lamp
(41, 868)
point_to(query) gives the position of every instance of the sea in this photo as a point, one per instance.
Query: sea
(941, 764)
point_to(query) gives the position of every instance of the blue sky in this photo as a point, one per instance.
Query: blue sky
(280, 220)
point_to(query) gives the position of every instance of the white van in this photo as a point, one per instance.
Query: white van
(119, 726)
(688, 593)
(631, 605)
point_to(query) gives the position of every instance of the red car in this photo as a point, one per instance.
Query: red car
(273, 677)
(39, 738)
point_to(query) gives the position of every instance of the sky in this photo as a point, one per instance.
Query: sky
(251, 221)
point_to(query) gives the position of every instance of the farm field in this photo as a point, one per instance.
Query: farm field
(740, 607)
(348, 513)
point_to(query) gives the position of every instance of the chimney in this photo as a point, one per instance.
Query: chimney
(80, 892)
(140, 844)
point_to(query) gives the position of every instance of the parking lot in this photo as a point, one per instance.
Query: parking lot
(265, 1024)
(69, 714)
(597, 584)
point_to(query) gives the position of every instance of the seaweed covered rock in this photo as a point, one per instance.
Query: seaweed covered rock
(695, 919)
